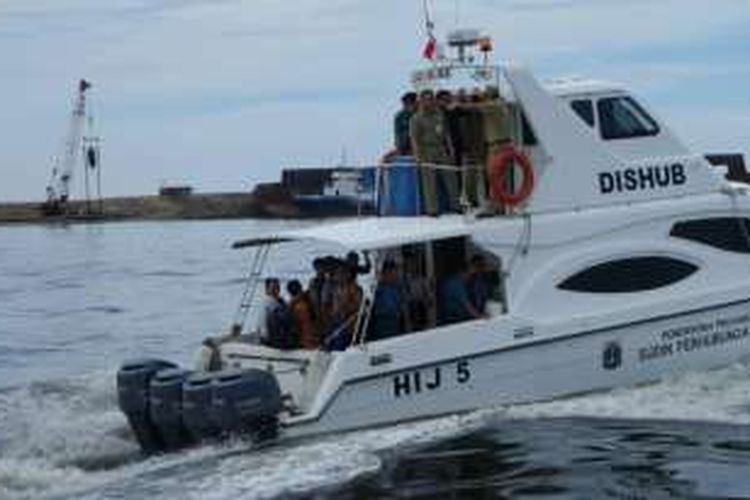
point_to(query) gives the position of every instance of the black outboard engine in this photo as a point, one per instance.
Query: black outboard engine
(197, 408)
(247, 402)
(165, 407)
(133, 380)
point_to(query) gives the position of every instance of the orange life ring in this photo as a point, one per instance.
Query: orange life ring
(500, 164)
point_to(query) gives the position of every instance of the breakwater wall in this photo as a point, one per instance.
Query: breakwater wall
(193, 206)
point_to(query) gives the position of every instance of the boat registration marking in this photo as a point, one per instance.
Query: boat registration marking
(431, 378)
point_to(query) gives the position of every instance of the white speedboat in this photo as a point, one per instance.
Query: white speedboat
(629, 261)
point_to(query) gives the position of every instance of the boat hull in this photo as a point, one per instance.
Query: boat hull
(625, 355)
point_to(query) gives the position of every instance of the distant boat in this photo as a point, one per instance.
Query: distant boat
(331, 191)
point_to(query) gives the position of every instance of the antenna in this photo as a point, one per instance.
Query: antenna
(344, 156)
(428, 23)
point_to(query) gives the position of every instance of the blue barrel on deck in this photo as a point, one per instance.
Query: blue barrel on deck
(399, 188)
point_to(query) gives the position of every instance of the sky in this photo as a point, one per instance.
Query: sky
(222, 94)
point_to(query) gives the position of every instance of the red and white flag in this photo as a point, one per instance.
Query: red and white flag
(430, 48)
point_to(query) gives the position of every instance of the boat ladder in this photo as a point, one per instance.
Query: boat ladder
(252, 281)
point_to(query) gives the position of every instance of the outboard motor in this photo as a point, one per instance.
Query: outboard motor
(197, 409)
(133, 381)
(247, 402)
(165, 407)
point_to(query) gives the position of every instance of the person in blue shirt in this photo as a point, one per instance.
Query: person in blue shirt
(455, 304)
(478, 283)
(275, 321)
(387, 318)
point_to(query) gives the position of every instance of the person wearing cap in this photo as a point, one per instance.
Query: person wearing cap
(402, 141)
(428, 131)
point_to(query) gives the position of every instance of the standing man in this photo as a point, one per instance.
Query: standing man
(473, 155)
(452, 112)
(452, 180)
(430, 145)
(402, 141)
(497, 124)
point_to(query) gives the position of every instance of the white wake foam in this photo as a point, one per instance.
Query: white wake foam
(719, 396)
(68, 439)
(52, 433)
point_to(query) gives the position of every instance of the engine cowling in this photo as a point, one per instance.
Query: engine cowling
(133, 382)
(165, 407)
(247, 402)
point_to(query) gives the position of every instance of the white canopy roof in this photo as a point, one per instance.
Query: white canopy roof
(373, 232)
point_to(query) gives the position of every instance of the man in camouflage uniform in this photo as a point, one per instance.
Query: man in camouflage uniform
(431, 147)
(497, 124)
(473, 154)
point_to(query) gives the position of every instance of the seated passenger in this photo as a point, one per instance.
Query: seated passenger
(275, 325)
(419, 293)
(454, 303)
(315, 285)
(302, 315)
(478, 283)
(321, 290)
(387, 318)
(347, 297)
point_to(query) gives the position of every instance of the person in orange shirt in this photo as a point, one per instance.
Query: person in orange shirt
(302, 316)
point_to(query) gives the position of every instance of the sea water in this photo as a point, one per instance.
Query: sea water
(77, 300)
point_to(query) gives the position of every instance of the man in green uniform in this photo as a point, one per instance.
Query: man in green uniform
(498, 130)
(402, 141)
(431, 147)
(473, 154)
(496, 124)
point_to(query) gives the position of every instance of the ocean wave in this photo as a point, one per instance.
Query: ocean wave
(63, 438)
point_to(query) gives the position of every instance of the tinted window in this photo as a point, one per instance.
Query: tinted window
(636, 274)
(529, 138)
(623, 118)
(728, 233)
(585, 109)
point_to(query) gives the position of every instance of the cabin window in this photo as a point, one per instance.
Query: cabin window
(424, 285)
(623, 118)
(527, 133)
(584, 108)
(635, 274)
(731, 234)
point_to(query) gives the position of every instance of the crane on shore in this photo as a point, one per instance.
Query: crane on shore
(58, 188)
